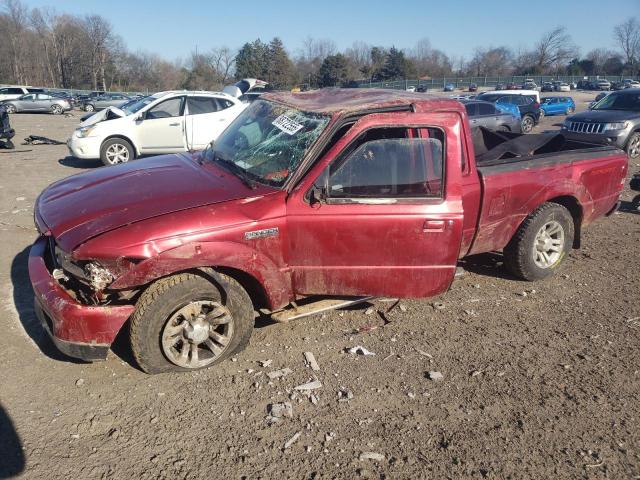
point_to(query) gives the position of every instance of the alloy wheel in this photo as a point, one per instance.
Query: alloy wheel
(548, 245)
(117, 153)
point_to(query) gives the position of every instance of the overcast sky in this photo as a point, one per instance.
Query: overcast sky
(172, 29)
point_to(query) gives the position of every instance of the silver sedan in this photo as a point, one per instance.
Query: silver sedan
(37, 102)
(105, 101)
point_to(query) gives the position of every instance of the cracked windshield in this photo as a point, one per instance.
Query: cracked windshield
(267, 142)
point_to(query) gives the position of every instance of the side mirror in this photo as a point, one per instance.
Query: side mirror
(140, 117)
(317, 195)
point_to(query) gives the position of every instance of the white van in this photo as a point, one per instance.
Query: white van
(167, 122)
(13, 92)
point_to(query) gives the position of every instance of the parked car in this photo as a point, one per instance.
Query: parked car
(630, 83)
(449, 87)
(573, 85)
(185, 249)
(529, 85)
(547, 87)
(422, 88)
(122, 107)
(512, 86)
(602, 85)
(12, 93)
(37, 102)
(488, 115)
(557, 105)
(500, 86)
(63, 95)
(614, 120)
(584, 85)
(104, 101)
(563, 87)
(90, 96)
(473, 87)
(166, 122)
(527, 102)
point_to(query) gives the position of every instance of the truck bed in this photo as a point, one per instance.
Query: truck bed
(520, 172)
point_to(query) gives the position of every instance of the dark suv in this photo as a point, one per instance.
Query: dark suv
(614, 120)
(527, 104)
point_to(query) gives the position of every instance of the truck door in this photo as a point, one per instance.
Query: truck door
(162, 128)
(381, 212)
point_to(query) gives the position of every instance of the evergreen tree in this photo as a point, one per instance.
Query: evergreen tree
(252, 61)
(280, 70)
(333, 71)
(396, 66)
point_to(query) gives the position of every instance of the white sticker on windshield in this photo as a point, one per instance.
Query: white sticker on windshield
(287, 125)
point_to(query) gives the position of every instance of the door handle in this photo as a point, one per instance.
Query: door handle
(174, 124)
(434, 226)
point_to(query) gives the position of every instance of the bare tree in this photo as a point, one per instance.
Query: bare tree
(627, 36)
(99, 36)
(553, 51)
(17, 20)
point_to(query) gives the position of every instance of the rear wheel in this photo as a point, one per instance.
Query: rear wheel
(541, 243)
(527, 124)
(188, 322)
(56, 109)
(116, 150)
(569, 111)
(89, 108)
(542, 114)
(504, 128)
(633, 145)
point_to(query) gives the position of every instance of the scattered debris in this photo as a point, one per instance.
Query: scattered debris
(366, 328)
(435, 376)
(424, 354)
(311, 361)
(154, 420)
(369, 311)
(309, 385)
(292, 440)
(411, 395)
(359, 350)
(38, 140)
(475, 373)
(329, 437)
(344, 395)
(79, 382)
(438, 305)
(376, 457)
(265, 363)
(402, 307)
(279, 373)
(279, 410)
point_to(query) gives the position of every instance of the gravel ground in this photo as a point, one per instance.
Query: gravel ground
(539, 380)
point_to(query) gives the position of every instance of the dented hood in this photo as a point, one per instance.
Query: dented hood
(111, 112)
(82, 206)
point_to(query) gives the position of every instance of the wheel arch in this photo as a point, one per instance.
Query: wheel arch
(122, 137)
(572, 204)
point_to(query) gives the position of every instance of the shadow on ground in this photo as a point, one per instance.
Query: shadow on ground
(12, 459)
(74, 162)
(487, 265)
(630, 207)
(23, 301)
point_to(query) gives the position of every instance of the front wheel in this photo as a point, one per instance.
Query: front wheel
(116, 150)
(569, 111)
(89, 108)
(190, 321)
(542, 114)
(56, 109)
(527, 124)
(633, 145)
(541, 243)
(11, 108)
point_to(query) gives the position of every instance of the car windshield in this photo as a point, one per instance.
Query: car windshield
(619, 101)
(489, 97)
(139, 104)
(267, 142)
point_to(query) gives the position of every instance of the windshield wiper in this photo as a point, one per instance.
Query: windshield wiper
(235, 169)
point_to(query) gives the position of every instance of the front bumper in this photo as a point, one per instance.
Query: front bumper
(613, 138)
(84, 148)
(78, 330)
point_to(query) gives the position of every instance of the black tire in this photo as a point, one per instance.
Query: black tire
(504, 128)
(519, 254)
(527, 124)
(633, 146)
(110, 148)
(158, 303)
(89, 108)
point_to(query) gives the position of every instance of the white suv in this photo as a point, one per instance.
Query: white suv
(167, 122)
(11, 93)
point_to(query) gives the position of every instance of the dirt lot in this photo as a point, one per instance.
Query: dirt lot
(540, 380)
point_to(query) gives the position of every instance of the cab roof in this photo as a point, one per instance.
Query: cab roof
(346, 100)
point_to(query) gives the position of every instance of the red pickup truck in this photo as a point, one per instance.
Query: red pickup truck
(327, 193)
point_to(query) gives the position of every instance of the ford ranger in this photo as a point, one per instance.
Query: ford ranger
(333, 193)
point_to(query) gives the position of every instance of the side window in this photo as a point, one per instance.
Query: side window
(4, 91)
(167, 109)
(200, 105)
(28, 97)
(15, 91)
(43, 96)
(472, 109)
(387, 163)
(484, 109)
(224, 103)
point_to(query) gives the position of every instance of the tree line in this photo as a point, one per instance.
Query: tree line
(45, 48)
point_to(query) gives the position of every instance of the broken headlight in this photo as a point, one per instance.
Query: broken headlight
(98, 276)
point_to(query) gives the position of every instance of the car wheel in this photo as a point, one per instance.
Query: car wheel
(116, 150)
(635, 203)
(504, 128)
(11, 108)
(527, 124)
(569, 111)
(542, 114)
(541, 243)
(189, 321)
(56, 109)
(89, 108)
(633, 145)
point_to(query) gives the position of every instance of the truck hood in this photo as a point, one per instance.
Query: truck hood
(106, 114)
(83, 206)
(601, 116)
